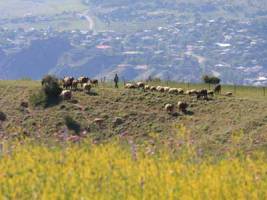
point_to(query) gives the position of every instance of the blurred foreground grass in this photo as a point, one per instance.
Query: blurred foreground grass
(115, 171)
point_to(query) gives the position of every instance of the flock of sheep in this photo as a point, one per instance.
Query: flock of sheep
(70, 83)
(182, 106)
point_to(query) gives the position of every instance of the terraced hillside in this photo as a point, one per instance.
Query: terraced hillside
(137, 114)
(44, 14)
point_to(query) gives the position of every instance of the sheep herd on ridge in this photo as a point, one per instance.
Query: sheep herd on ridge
(70, 83)
(203, 94)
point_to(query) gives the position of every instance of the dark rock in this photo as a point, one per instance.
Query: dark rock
(2, 116)
(24, 104)
(105, 116)
(74, 101)
(62, 107)
(98, 120)
(118, 121)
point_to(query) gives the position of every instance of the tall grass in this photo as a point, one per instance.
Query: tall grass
(112, 171)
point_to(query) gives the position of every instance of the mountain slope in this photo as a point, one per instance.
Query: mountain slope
(172, 39)
(35, 61)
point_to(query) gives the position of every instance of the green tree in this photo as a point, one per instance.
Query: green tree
(211, 79)
(51, 86)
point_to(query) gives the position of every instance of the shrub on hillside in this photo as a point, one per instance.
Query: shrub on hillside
(72, 124)
(38, 98)
(48, 94)
(51, 86)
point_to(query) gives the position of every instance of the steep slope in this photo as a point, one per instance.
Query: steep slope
(34, 61)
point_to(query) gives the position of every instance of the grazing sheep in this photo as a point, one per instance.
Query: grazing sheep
(94, 82)
(67, 82)
(127, 85)
(66, 94)
(182, 106)
(160, 89)
(147, 87)
(140, 85)
(130, 86)
(211, 93)
(75, 84)
(217, 89)
(173, 91)
(99, 121)
(191, 92)
(202, 94)
(166, 89)
(180, 91)
(169, 108)
(87, 87)
(153, 89)
(229, 94)
(82, 80)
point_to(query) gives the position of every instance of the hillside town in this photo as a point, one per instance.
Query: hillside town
(179, 51)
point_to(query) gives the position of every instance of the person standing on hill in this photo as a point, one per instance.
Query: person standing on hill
(116, 80)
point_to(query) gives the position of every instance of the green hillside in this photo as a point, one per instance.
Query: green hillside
(141, 115)
(58, 14)
(18, 8)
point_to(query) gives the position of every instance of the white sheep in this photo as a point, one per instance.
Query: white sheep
(140, 85)
(153, 88)
(169, 108)
(130, 86)
(166, 89)
(173, 91)
(87, 87)
(66, 94)
(147, 87)
(160, 89)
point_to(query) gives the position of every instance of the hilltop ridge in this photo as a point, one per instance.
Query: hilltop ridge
(138, 114)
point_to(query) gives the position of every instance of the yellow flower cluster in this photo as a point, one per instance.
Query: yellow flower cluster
(108, 171)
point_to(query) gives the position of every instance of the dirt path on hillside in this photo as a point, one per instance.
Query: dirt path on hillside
(90, 20)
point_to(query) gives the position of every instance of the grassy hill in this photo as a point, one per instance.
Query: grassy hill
(140, 115)
(215, 151)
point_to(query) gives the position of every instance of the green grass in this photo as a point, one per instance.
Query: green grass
(18, 8)
(210, 124)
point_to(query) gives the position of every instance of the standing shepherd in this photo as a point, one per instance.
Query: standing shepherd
(217, 89)
(116, 81)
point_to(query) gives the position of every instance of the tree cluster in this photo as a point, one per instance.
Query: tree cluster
(211, 79)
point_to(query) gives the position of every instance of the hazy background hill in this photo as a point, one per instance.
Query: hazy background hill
(171, 39)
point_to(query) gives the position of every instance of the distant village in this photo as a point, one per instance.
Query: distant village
(234, 51)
